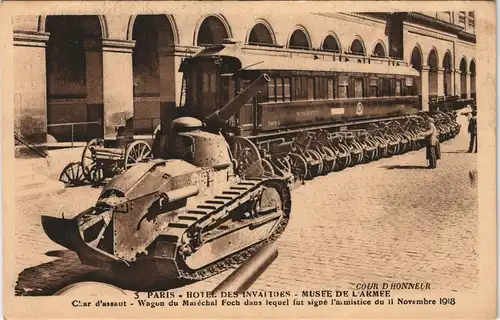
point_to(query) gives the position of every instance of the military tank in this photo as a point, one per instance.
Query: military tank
(190, 214)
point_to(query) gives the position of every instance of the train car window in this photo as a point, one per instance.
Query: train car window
(286, 89)
(225, 90)
(324, 88)
(409, 86)
(330, 89)
(310, 88)
(358, 88)
(386, 88)
(213, 82)
(343, 86)
(298, 88)
(279, 89)
(373, 87)
(192, 86)
(271, 90)
(397, 91)
(206, 82)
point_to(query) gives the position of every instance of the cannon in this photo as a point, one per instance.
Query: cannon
(100, 161)
(192, 213)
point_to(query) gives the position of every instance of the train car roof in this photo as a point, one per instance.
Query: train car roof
(259, 62)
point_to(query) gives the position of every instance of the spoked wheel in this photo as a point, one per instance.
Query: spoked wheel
(246, 155)
(347, 158)
(137, 152)
(315, 169)
(370, 151)
(96, 174)
(299, 166)
(328, 165)
(383, 147)
(268, 170)
(72, 175)
(359, 152)
(281, 166)
(91, 169)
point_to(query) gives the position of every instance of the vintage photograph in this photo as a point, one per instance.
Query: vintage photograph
(209, 157)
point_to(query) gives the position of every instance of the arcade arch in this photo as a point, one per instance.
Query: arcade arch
(153, 70)
(74, 75)
(447, 74)
(463, 78)
(212, 30)
(432, 62)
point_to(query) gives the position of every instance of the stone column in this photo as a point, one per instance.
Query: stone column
(456, 77)
(425, 88)
(30, 89)
(467, 85)
(167, 86)
(94, 83)
(118, 95)
(440, 82)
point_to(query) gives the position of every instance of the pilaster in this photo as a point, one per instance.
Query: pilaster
(30, 88)
(425, 87)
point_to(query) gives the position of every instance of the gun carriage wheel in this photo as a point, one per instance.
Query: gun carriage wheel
(73, 175)
(137, 152)
(92, 169)
(299, 166)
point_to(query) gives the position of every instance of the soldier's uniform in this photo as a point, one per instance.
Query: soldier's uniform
(472, 129)
(432, 141)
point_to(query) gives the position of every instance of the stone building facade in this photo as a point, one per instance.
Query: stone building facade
(100, 71)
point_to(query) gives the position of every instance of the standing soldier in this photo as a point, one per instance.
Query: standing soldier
(433, 153)
(472, 129)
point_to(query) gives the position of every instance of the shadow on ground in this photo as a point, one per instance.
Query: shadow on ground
(455, 151)
(404, 167)
(48, 278)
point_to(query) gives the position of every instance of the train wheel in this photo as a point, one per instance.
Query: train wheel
(315, 169)
(137, 152)
(89, 163)
(328, 165)
(299, 166)
(72, 175)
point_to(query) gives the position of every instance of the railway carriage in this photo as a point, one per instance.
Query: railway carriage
(302, 91)
(314, 115)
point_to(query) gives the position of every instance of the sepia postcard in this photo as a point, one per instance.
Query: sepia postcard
(249, 159)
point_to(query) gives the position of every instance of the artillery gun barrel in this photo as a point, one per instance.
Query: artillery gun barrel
(246, 274)
(220, 116)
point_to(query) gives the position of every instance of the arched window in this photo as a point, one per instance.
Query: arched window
(260, 34)
(379, 50)
(299, 40)
(357, 47)
(212, 31)
(330, 44)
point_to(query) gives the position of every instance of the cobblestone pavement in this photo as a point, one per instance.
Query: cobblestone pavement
(389, 220)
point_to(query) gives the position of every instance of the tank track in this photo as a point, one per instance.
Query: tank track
(236, 258)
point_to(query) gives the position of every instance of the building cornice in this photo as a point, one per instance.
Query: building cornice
(30, 38)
